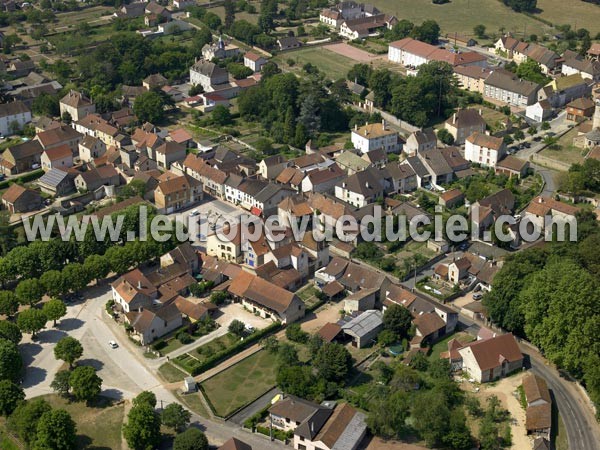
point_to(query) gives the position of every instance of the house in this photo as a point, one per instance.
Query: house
(56, 182)
(364, 328)
(437, 166)
(235, 444)
(150, 324)
(270, 167)
(421, 173)
(76, 105)
(507, 88)
(452, 198)
(345, 428)
(13, 117)
(22, 157)
(543, 208)
(154, 81)
(95, 177)
(484, 149)
(459, 165)
(374, 137)
(490, 359)
(351, 162)
(419, 141)
(131, 10)
(91, 148)
(208, 75)
(184, 255)
(402, 177)
(576, 64)
(158, 10)
(322, 180)
(133, 291)
(429, 327)
(266, 299)
(580, 109)
(254, 61)
(562, 90)
(464, 123)
(512, 166)
(361, 300)
(168, 153)
(182, 137)
(363, 27)
(18, 199)
(520, 52)
(219, 50)
(540, 111)
(361, 189)
(59, 136)
(291, 411)
(413, 53)
(492, 207)
(287, 43)
(212, 179)
(176, 192)
(60, 157)
(538, 413)
(472, 78)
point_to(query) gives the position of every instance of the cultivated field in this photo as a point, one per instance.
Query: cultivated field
(577, 13)
(462, 15)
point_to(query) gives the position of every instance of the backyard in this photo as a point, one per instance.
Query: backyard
(334, 65)
(242, 383)
(565, 151)
(442, 346)
(188, 361)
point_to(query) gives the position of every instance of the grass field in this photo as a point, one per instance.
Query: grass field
(252, 18)
(171, 373)
(462, 15)
(334, 65)
(241, 383)
(97, 427)
(442, 346)
(577, 13)
(566, 152)
(193, 402)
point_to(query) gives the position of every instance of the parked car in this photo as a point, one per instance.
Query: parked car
(477, 296)
(113, 344)
(194, 213)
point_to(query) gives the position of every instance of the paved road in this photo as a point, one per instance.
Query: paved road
(582, 429)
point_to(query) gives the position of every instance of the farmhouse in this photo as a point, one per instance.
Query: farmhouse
(13, 117)
(484, 149)
(374, 137)
(464, 123)
(18, 199)
(490, 359)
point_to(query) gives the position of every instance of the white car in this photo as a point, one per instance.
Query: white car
(477, 296)
(113, 344)
(194, 213)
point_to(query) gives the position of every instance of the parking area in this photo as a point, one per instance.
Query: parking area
(234, 311)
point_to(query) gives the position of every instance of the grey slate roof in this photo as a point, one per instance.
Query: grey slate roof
(53, 177)
(365, 323)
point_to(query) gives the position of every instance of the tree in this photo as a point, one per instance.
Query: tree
(445, 136)
(10, 331)
(218, 297)
(46, 105)
(9, 304)
(29, 292)
(11, 363)
(428, 31)
(521, 5)
(221, 116)
(54, 309)
(60, 384)
(332, 361)
(10, 397)
(237, 327)
(86, 385)
(97, 266)
(24, 420)
(56, 430)
(212, 20)
(388, 414)
(149, 107)
(519, 135)
(142, 430)
(295, 333)
(31, 321)
(431, 416)
(545, 125)
(145, 397)
(397, 319)
(53, 282)
(190, 439)
(68, 349)
(532, 71)
(176, 416)
(229, 13)
(479, 31)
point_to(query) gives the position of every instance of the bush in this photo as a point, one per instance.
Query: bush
(159, 345)
(184, 338)
(23, 178)
(295, 333)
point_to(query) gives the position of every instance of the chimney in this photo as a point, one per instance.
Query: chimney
(141, 309)
(355, 127)
(139, 284)
(383, 123)
(454, 119)
(480, 112)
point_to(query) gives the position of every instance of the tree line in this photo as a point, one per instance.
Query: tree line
(551, 296)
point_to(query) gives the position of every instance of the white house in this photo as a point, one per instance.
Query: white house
(374, 137)
(484, 149)
(254, 61)
(13, 115)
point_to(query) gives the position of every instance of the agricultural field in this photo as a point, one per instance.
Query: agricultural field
(577, 13)
(462, 15)
(242, 383)
(243, 15)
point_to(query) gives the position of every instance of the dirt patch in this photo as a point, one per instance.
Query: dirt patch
(354, 53)
(325, 314)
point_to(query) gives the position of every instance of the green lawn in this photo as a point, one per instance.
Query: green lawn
(241, 383)
(566, 151)
(171, 373)
(188, 361)
(97, 426)
(332, 64)
(575, 13)
(193, 402)
(442, 346)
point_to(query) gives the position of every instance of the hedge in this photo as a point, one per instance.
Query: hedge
(235, 348)
(280, 435)
(23, 178)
